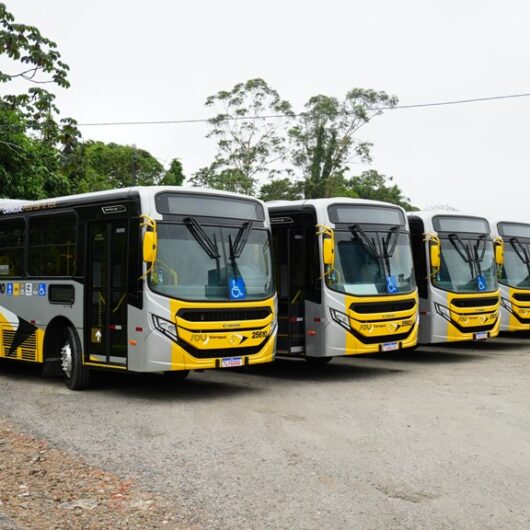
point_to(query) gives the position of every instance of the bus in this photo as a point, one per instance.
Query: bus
(144, 279)
(455, 259)
(514, 277)
(345, 278)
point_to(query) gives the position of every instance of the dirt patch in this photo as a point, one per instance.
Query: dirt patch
(42, 487)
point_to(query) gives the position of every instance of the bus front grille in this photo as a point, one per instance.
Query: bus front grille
(222, 315)
(474, 302)
(522, 297)
(382, 307)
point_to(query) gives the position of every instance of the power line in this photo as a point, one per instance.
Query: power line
(277, 116)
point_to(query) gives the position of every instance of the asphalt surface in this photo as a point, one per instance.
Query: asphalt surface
(435, 438)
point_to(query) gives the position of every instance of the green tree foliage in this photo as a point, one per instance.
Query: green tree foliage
(249, 147)
(31, 131)
(281, 189)
(174, 176)
(28, 166)
(373, 185)
(323, 141)
(94, 166)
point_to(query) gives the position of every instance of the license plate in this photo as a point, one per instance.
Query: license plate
(390, 346)
(483, 335)
(230, 362)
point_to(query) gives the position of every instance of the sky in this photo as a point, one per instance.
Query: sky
(133, 60)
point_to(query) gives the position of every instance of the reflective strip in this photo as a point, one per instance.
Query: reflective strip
(297, 349)
(118, 360)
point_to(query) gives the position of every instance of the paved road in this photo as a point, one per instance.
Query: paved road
(437, 438)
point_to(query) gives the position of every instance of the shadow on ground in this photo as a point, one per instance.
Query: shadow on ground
(427, 355)
(144, 386)
(302, 371)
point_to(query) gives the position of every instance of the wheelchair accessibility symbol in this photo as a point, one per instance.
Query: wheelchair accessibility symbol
(391, 285)
(237, 289)
(481, 283)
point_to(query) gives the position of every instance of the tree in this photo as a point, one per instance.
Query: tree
(96, 166)
(249, 145)
(281, 189)
(174, 176)
(323, 142)
(32, 131)
(373, 185)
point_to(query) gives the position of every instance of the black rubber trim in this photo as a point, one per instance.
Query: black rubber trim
(224, 315)
(522, 297)
(474, 302)
(382, 307)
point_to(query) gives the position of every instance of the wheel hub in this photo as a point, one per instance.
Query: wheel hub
(66, 359)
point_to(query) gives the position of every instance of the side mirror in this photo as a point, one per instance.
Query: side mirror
(150, 247)
(436, 261)
(499, 252)
(328, 250)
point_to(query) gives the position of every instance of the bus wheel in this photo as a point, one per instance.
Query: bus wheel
(318, 361)
(176, 375)
(77, 375)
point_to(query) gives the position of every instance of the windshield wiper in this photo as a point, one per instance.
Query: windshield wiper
(463, 251)
(479, 259)
(394, 231)
(520, 250)
(236, 247)
(197, 231)
(209, 246)
(366, 242)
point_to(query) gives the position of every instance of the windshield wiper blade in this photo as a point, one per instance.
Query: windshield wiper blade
(463, 251)
(241, 240)
(480, 239)
(197, 231)
(520, 250)
(358, 232)
(394, 231)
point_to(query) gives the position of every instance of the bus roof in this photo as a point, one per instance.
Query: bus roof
(328, 202)
(10, 205)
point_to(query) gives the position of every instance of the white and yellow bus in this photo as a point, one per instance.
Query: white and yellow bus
(455, 262)
(514, 277)
(153, 279)
(345, 278)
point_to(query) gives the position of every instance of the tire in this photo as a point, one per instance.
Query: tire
(76, 374)
(176, 375)
(318, 361)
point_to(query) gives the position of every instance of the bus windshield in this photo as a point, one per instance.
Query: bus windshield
(467, 264)
(516, 269)
(200, 262)
(365, 260)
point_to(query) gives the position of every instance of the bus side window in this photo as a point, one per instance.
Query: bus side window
(52, 245)
(12, 234)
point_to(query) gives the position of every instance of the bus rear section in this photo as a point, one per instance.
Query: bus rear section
(514, 277)
(455, 258)
(344, 277)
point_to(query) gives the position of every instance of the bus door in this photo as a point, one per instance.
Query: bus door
(290, 252)
(106, 329)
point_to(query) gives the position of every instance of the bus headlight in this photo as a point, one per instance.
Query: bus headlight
(167, 328)
(506, 304)
(340, 318)
(443, 311)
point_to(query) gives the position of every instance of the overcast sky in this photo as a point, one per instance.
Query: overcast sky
(135, 60)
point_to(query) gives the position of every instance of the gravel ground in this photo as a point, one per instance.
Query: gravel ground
(438, 438)
(43, 487)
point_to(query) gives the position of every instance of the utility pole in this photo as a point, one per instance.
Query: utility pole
(134, 167)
